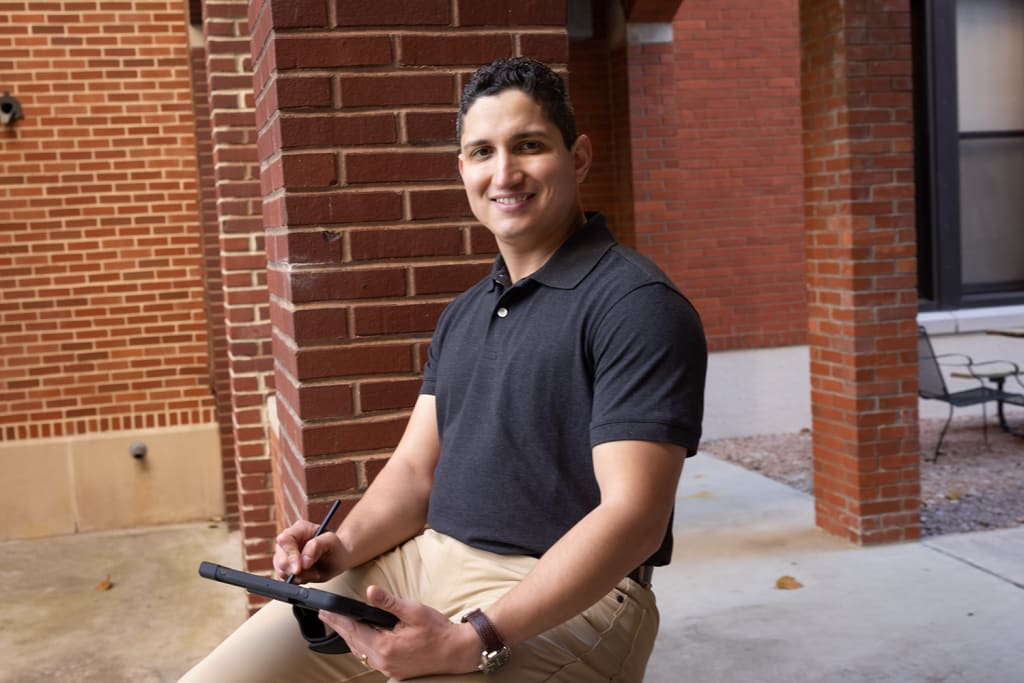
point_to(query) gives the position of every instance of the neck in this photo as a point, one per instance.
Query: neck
(525, 260)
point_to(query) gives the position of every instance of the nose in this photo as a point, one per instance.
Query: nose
(507, 172)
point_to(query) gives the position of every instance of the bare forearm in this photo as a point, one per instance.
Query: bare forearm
(393, 510)
(575, 573)
(638, 484)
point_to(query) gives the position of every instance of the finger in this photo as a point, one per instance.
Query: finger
(292, 560)
(280, 564)
(340, 624)
(289, 543)
(311, 553)
(360, 637)
(379, 597)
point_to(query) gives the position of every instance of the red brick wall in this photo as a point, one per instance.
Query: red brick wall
(243, 270)
(858, 147)
(102, 324)
(369, 232)
(739, 250)
(698, 157)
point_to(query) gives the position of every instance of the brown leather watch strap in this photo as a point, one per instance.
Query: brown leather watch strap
(485, 629)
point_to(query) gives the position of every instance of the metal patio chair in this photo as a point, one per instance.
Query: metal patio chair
(932, 385)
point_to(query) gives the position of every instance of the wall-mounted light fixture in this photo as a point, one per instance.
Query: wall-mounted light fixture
(10, 109)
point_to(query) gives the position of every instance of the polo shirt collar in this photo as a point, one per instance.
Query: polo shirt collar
(571, 263)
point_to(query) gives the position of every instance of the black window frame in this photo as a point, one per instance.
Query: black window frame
(937, 139)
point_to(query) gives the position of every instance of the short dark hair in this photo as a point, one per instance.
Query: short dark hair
(535, 79)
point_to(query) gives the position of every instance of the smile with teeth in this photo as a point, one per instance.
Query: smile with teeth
(512, 200)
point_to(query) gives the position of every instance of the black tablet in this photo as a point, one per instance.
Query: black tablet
(310, 598)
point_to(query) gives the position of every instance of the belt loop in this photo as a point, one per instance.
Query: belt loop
(643, 575)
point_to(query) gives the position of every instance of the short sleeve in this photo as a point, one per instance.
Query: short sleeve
(650, 362)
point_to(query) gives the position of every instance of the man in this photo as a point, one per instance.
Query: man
(513, 528)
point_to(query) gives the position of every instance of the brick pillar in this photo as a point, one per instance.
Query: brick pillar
(859, 212)
(243, 269)
(598, 82)
(218, 376)
(622, 83)
(369, 232)
(653, 115)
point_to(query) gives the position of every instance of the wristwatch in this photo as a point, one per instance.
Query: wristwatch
(496, 653)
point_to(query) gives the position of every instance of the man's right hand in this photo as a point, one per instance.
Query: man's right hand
(311, 559)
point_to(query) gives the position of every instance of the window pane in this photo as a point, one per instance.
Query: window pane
(990, 64)
(992, 211)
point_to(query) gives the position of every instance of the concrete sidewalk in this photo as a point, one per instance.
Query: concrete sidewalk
(155, 620)
(948, 609)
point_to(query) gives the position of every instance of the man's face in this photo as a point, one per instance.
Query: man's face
(521, 181)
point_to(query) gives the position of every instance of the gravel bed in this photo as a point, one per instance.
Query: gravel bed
(970, 488)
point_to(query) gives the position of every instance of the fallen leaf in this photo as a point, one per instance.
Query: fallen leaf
(105, 585)
(954, 494)
(787, 583)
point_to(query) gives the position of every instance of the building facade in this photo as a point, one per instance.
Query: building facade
(229, 227)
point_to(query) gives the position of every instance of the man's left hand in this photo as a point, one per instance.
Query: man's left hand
(424, 642)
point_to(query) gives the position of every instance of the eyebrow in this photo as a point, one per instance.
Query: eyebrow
(539, 133)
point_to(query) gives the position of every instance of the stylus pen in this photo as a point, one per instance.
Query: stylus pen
(320, 529)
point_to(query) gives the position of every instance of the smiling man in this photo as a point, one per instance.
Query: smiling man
(515, 529)
(521, 177)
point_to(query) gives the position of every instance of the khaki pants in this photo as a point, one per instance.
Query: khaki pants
(611, 641)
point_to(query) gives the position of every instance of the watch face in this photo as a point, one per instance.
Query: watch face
(492, 661)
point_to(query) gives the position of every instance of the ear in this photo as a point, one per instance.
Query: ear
(582, 156)
(461, 175)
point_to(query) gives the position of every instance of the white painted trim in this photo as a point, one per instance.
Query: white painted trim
(967, 320)
(649, 33)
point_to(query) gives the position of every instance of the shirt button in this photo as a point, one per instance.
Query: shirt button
(502, 312)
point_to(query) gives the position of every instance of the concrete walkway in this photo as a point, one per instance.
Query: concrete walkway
(155, 620)
(947, 609)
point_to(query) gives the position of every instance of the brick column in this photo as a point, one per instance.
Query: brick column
(653, 136)
(369, 233)
(859, 214)
(598, 82)
(644, 66)
(243, 271)
(218, 376)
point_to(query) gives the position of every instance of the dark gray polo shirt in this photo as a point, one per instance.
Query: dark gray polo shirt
(596, 346)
